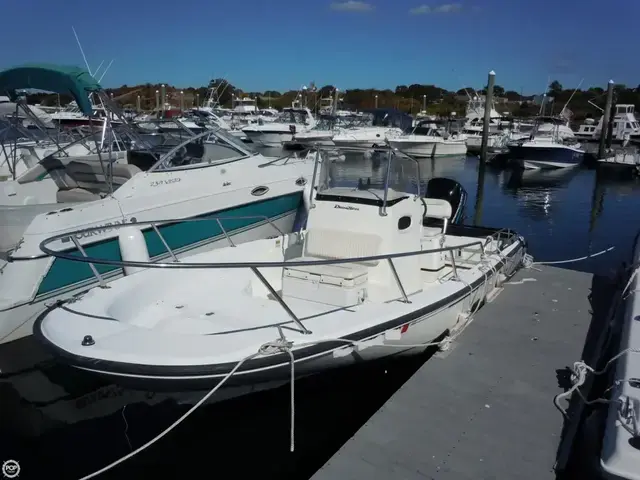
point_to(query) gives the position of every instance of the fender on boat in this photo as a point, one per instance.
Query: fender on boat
(133, 248)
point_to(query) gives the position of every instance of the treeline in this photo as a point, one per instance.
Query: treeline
(409, 98)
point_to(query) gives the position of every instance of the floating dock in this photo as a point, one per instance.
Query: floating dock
(484, 408)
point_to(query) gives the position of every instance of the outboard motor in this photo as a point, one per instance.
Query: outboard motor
(451, 191)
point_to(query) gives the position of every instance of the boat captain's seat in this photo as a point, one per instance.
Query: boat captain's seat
(435, 209)
(432, 264)
(86, 181)
(342, 284)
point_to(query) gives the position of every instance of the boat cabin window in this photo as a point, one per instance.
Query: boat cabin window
(424, 130)
(293, 116)
(629, 127)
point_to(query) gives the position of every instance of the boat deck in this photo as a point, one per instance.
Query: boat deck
(484, 408)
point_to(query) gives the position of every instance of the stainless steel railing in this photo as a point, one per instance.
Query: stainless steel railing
(500, 235)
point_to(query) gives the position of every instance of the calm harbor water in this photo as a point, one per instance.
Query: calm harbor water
(562, 214)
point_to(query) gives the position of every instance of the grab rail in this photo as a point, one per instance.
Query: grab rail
(253, 266)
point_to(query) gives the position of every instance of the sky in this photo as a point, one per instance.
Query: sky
(260, 45)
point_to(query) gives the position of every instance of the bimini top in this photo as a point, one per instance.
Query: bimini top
(66, 80)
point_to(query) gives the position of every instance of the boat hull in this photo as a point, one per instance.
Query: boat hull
(419, 327)
(430, 149)
(620, 455)
(546, 157)
(268, 139)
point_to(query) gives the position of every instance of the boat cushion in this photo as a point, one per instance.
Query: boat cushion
(76, 195)
(329, 243)
(344, 274)
(437, 208)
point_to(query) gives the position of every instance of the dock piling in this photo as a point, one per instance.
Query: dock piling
(487, 116)
(605, 120)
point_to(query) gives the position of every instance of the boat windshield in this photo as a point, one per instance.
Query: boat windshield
(212, 147)
(376, 172)
(293, 116)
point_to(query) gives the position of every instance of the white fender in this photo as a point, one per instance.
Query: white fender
(133, 248)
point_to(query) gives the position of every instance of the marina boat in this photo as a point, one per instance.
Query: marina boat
(365, 280)
(385, 124)
(208, 174)
(547, 148)
(26, 137)
(620, 455)
(424, 141)
(625, 126)
(320, 135)
(587, 130)
(273, 134)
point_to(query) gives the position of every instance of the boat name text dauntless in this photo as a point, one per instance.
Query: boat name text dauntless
(348, 207)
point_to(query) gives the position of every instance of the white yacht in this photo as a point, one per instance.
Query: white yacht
(426, 141)
(625, 126)
(273, 134)
(385, 124)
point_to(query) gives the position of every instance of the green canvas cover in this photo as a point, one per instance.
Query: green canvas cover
(67, 80)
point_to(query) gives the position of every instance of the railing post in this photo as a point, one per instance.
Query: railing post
(280, 301)
(91, 265)
(386, 185)
(166, 245)
(453, 265)
(225, 233)
(398, 282)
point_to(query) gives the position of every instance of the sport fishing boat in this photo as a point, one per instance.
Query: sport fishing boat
(366, 279)
(208, 175)
(547, 147)
(273, 134)
(385, 124)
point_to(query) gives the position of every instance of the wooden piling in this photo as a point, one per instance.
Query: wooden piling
(487, 116)
(605, 120)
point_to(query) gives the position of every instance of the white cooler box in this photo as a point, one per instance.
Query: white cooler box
(342, 285)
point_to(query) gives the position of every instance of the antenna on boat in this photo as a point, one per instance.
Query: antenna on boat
(105, 71)
(99, 67)
(574, 92)
(82, 51)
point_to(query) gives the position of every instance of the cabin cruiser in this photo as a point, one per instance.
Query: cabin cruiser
(385, 124)
(320, 135)
(289, 123)
(547, 147)
(187, 182)
(426, 141)
(379, 271)
(624, 127)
